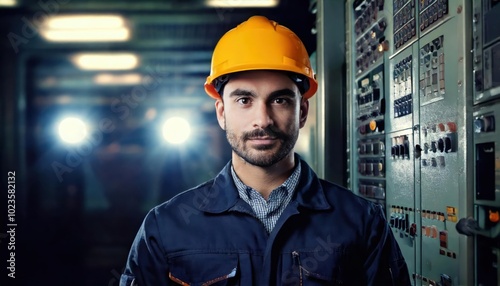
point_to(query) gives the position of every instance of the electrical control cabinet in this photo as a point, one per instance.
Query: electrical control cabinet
(485, 223)
(411, 76)
(486, 49)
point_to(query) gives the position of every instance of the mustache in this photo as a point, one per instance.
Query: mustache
(267, 132)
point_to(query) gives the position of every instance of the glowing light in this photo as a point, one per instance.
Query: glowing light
(176, 130)
(8, 3)
(85, 28)
(121, 79)
(106, 61)
(85, 22)
(72, 130)
(101, 35)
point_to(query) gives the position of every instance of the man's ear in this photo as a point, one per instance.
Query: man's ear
(304, 110)
(219, 110)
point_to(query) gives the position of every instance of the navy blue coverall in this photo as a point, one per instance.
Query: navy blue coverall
(208, 236)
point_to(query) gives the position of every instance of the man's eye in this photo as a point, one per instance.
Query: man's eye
(281, 100)
(243, 100)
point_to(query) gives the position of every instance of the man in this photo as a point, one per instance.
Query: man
(266, 219)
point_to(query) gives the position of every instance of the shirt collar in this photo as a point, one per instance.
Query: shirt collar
(289, 185)
(222, 194)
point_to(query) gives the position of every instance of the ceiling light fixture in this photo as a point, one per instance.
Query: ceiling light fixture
(85, 28)
(106, 61)
(118, 79)
(8, 3)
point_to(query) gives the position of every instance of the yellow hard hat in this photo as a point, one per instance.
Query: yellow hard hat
(261, 44)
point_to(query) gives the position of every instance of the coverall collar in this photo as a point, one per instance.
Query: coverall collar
(223, 195)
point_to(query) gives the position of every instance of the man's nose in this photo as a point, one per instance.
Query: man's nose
(263, 116)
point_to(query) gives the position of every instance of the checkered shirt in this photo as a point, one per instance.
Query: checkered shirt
(268, 211)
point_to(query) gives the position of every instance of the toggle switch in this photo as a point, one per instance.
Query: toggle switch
(447, 145)
(362, 189)
(440, 145)
(406, 147)
(362, 168)
(434, 231)
(402, 150)
(443, 239)
(484, 124)
(368, 148)
(441, 216)
(427, 231)
(362, 129)
(440, 160)
(413, 229)
(478, 125)
(369, 169)
(489, 123)
(362, 148)
(418, 151)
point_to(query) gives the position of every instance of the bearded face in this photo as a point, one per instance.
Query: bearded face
(262, 113)
(263, 147)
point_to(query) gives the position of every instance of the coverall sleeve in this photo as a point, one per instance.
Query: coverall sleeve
(146, 263)
(385, 264)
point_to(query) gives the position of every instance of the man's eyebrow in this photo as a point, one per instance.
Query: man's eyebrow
(282, 92)
(277, 93)
(239, 92)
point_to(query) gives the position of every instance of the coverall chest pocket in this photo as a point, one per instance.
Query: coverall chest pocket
(204, 269)
(315, 268)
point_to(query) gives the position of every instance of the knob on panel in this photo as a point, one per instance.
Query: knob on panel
(494, 216)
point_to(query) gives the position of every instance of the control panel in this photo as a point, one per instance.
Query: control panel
(405, 23)
(370, 47)
(370, 26)
(402, 87)
(430, 12)
(432, 80)
(371, 147)
(486, 49)
(487, 192)
(442, 152)
(409, 83)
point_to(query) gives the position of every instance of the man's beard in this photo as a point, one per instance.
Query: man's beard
(286, 144)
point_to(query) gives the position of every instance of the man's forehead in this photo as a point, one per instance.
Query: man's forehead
(247, 79)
